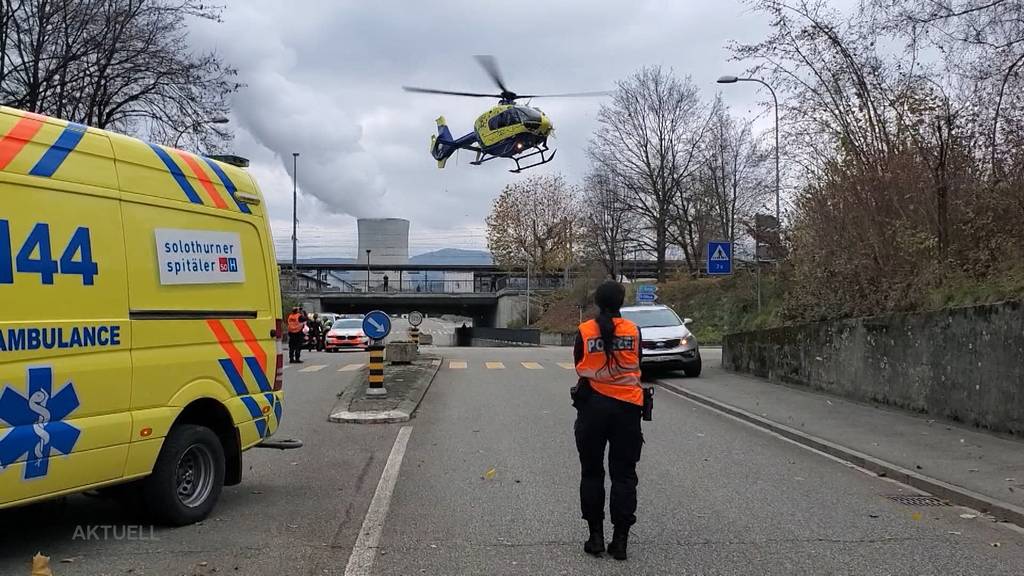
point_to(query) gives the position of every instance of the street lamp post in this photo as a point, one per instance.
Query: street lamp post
(733, 80)
(197, 124)
(368, 270)
(295, 220)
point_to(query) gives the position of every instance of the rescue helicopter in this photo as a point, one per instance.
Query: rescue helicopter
(509, 130)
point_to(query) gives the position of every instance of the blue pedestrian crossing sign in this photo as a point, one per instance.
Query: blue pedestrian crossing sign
(377, 325)
(719, 258)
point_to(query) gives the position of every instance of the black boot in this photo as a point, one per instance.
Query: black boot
(617, 547)
(595, 545)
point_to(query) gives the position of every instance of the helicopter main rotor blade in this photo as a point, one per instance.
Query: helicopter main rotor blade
(449, 92)
(569, 94)
(490, 65)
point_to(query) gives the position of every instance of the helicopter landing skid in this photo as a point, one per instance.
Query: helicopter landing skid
(539, 151)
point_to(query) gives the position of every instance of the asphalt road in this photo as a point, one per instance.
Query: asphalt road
(488, 485)
(716, 496)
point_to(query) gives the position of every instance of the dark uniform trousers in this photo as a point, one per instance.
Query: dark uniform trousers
(602, 420)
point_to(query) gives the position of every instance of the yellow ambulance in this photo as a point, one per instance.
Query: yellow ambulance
(139, 318)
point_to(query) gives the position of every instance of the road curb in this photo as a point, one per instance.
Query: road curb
(1004, 511)
(403, 413)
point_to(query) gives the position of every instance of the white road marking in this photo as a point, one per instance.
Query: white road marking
(495, 366)
(365, 550)
(456, 365)
(350, 367)
(532, 366)
(316, 368)
(567, 365)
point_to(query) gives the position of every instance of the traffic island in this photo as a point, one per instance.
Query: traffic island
(406, 385)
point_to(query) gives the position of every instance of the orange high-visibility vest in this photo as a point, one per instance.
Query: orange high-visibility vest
(621, 379)
(294, 324)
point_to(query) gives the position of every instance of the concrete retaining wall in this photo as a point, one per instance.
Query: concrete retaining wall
(557, 339)
(966, 364)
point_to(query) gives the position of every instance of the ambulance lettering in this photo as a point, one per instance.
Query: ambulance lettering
(37, 422)
(49, 338)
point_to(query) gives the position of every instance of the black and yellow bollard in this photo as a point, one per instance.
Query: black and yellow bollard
(376, 387)
(414, 335)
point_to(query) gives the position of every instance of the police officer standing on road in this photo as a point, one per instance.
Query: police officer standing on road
(296, 321)
(610, 403)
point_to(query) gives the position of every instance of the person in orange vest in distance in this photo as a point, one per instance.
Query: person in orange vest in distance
(610, 403)
(296, 320)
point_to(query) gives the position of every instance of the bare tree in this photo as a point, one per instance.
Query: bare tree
(121, 64)
(532, 222)
(607, 222)
(646, 142)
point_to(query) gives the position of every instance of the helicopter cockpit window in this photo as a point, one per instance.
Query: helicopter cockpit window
(529, 114)
(506, 118)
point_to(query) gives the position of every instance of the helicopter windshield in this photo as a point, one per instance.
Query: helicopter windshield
(527, 114)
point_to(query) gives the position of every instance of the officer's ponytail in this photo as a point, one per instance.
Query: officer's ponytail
(609, 297)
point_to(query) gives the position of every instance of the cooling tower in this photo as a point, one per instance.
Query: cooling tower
(386, 238)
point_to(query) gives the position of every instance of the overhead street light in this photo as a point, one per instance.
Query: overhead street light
(729, 79)
(197, 124)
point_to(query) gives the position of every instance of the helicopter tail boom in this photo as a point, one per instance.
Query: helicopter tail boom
(442, 146)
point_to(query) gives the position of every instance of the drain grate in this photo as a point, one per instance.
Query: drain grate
(910, 500)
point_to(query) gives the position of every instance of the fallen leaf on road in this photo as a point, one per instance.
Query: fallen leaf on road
(700, 435)
(872, 515)
(916, 516)
(972, 469)
(257, 492)
(70, 560)
(954, 532)
(204, 563)
(490, 474)
(292, 525)
(829, 402)
(968, 516)
(1011, 479)
(41, 565)
(433, 545)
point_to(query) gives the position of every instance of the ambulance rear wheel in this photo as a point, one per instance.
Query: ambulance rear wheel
(188, 476)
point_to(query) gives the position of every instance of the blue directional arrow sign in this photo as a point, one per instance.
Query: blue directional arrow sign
(377, 325)
(719, 258)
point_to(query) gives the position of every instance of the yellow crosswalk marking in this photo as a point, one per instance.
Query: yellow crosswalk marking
(567, 365)
(532, 366)
(350, 367)
(316, 368)
(495, 366)
(456, 365)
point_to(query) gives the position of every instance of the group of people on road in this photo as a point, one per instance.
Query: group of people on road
(304, 331)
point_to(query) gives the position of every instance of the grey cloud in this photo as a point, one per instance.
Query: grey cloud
(323, 78)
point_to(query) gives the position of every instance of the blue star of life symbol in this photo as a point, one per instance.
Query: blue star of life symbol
(36, 421)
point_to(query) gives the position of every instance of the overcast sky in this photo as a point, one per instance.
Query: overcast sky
(323, 78)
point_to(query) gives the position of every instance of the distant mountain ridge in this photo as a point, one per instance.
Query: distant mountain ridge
(453, 256)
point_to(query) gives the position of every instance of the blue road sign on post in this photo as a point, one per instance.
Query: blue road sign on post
(646, 293)
(719, 258)
(376, 325)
